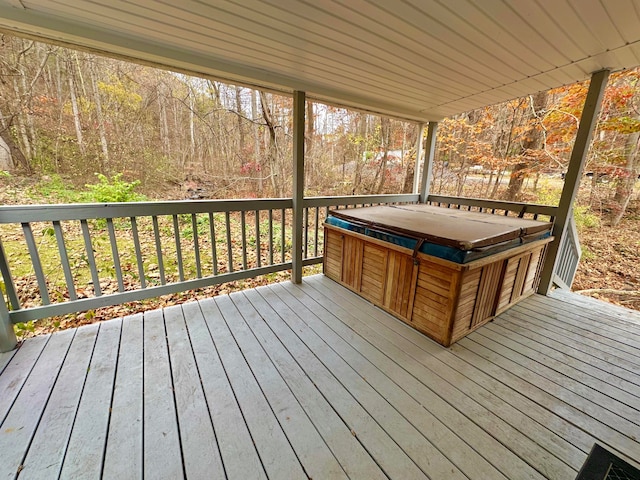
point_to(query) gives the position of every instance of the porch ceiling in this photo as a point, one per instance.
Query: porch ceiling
(418, 59)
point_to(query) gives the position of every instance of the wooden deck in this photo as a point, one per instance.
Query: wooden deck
(311, 381)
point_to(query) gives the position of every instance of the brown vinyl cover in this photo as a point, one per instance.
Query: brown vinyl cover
(445, 226)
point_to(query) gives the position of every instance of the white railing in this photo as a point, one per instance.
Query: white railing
(496, 207)
(569, 255)
(59, 259)
(316, 210)
(105, 254)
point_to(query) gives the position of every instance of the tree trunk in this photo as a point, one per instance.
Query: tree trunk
(20, 123)
(385, 129)
(17, 157)
(165, 141)
(309, 138)
(98, 102)
(74, 107)
(624, 186)
(363, 131)
(240, 112)
(273, 146)
(256, 141)
(531, 142)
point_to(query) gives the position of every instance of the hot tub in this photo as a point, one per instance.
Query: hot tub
(446, 272)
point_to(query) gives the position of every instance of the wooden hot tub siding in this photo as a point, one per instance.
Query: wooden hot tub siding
(442, 299)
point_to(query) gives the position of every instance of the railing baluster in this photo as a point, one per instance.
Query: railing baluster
(229, 249)
(196, 244)
(282, 236)
(35, 261)
(243, 228)
(114, 254)
(214, 246)
(64, 259)
(8, 280)
(317, 219)
(258, 260)
(156, 232)
(270, 236)
(306, 232)
(176, 236)
(136, 245)
(91, 258)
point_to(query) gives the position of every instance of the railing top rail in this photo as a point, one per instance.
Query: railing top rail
(497, 204)
(82, 211)
(359, 199)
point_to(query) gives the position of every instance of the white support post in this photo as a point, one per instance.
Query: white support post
(588, 121)
(8, 340)
(418, 166)
(298, 184)
(427, 170)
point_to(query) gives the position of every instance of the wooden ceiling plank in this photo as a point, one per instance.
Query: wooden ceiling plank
(490, 16)
(574, 25)
(412, 26)
(288, 63)
(373, 40)
(351, 54)
(625, 15)
(528, 37)
(550, 28)
(446, 14)
(110, 43)
(270, 59)
(419, 58)
(625, 56)
(601, 26)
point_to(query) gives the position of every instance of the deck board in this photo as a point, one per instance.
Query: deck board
(507, 416)
(46, 452)
(90, 428)
(123, 455)
(276, 454)
(590, 343)
(382, 430)
(567, 350)
(254, 339)
(5, 358)
(162, 452)
(312, 381)
(352, 456)
(18, 370)
(460, 411)
(239, 455)
(197, 438)
(22, 420)
(345, 342)
(586, 374)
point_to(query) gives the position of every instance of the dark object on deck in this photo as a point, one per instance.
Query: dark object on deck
(601, 464)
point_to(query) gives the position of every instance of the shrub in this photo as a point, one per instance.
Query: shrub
(113, 190)
(585, 218)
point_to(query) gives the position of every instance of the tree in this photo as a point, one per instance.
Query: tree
(531, 145)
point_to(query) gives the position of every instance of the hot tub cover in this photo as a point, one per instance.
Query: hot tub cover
(444, 226)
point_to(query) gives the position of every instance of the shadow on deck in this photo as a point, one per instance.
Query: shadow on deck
(289, 381)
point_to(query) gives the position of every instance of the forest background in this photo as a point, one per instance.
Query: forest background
(74, 126)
